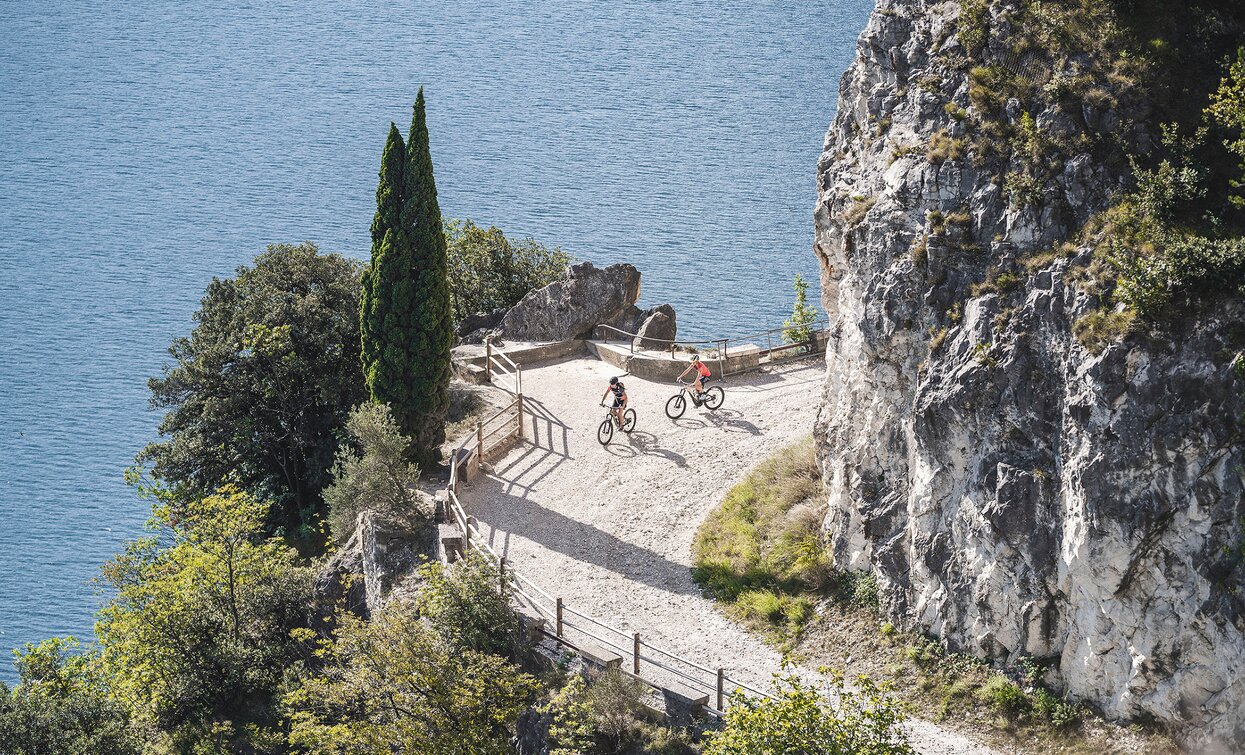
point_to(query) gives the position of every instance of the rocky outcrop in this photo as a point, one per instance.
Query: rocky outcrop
(572, 307)
(1015, 493)
(658, 328)
(378, 556)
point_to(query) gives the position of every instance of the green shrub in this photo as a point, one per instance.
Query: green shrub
(943, 147)
(1056, 711)
(489, 271)
(467, 606)
(798, 719)
(1003, 695)
(973, 27)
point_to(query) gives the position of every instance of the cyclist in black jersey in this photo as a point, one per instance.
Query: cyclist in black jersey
(620, 398)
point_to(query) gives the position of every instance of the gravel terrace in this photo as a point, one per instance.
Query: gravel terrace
(609, 528)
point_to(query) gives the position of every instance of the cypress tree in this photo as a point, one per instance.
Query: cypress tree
(422, 415)
(377, 304)
(407, 328)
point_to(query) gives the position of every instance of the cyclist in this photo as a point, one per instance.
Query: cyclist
(620, 398)
(702, 374)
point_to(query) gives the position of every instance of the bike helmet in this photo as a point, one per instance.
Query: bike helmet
(613, 381)
(695, 357)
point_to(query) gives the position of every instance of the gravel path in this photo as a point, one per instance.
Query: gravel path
(609, 528)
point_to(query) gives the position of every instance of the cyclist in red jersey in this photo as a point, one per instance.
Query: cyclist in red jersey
(702, 373)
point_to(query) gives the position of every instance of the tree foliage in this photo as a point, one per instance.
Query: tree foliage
(378, 477)
(488, 271)
(259, 391)
(196, 636)
(406, 327)
(62, 705)
(393, 685)
(1227, 112)
(468, 605)
(799, 720)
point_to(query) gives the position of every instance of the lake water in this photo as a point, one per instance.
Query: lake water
(148, 146)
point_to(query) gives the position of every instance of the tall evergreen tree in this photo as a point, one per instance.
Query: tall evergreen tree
(408, 328)
(431, 316)
(376, 303)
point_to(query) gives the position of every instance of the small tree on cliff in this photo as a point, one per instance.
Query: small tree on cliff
(407, 328)
(799, 328)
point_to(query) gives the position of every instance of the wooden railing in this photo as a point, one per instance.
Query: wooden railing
(511, 374)
(491, 435)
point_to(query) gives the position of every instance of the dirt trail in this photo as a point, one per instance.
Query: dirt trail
(609, 528)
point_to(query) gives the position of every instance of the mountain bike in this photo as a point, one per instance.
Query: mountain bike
(605, 433)
(712, 397)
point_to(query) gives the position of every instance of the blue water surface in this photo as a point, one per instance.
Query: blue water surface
(148, 146)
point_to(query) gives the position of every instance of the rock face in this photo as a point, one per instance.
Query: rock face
(572, 307)
(377, 557)
(1015, 493)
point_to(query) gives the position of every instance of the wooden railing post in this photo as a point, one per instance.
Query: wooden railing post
(488, 359)
(519, 402)
(559, 628)
(480, 440)
(635, 655)
(721, 689)
(518, 381)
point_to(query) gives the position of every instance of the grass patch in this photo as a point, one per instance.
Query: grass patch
(944, 147)
(1099, 328)
(860, 207)
(761, 551)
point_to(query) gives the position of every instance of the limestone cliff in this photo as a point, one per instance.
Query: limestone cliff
(1017, 493)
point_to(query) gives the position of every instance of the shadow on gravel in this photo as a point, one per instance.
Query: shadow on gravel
(645, 444)
(501, 513)
(729, 420)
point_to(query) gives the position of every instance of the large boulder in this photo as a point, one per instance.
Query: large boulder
(474, 328)
(657, 329)
(571, 307)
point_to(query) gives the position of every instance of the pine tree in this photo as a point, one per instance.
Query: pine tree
(376, 302)
(422, 414)
(799, 329)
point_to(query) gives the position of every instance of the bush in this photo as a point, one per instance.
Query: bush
(466, 604)
(489, 271)
(800, 327)
(943, 147)
(1057, 711)
(1003, 695)
(1100, 327)
(62, 705)
(798, 719)
(379, 478)
(392, 685)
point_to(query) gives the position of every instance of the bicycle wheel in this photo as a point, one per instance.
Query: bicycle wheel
(628, 421)
(675, 406)
(606, 431)
(714, 397)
